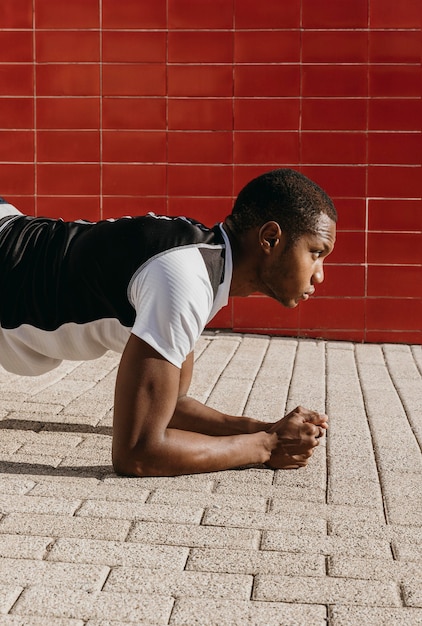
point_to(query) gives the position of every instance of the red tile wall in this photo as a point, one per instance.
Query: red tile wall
(111, 108)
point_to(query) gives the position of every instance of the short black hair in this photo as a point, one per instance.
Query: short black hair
(286, 196)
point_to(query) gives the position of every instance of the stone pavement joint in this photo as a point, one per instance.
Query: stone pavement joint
(337, 543)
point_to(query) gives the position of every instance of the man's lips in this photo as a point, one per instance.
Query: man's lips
(306, 295)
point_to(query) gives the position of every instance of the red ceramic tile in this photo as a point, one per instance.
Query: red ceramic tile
(394, 114)
(333, 335)
(200, 114)
(200, 47)
(394, 148)
(17, 179)
(64, 14)
(391, 46)
(394, 248)
(266, 147)
(333, 114)
(204, 14)
(394, 215)
(200, 147)
(394, 182)
(62, 113)
(342, 14)
(67, 46)
(73, 179)
(394, 281)
(119, 206)
(200, 80)
(334, 46)
(134, 146)
(16, 13)
(266, 114)
(209, 211)
(223, 319)
(16, 113)
(25, 204)
(387, 14)
(341, 181)
(16, 145)
(393, 314)
(134, 47)
(342, 281)
(334, 80)
(69, 208)
(68, 146)
(134, 14)
(394, 81)
(396, 336)
(266, 80)
(134, 80)
(333, 147)
(199, 180)
(276, 46)
(351, 213)
(263, 313)
(333, 313)
(134, 113)
(349, 247)
(130, 180)
(268, 14)
(16, 80)
(68, 80)
(16, 46)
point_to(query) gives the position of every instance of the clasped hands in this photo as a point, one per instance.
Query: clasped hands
(299, 433)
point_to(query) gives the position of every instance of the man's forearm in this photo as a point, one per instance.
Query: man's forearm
(192, 415)
(183, 452)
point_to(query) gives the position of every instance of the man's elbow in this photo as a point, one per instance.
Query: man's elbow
(139, 462)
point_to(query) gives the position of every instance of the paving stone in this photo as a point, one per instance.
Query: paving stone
(210, 500)
(412, 591)
(29, 620)
(8, 595)
(140, 511)
(179, 584)
(407, 551)
(271, 491)
(255, 562)
(325, 590)
(273, 521)
(64, 526)
(113, 553)
(32, 504)
(193, 482)
(95, 491)
(372, 569)
(131, 608)
(23, 547)
(353, 546)
(25, 572)
(193, 536)
(346, 615)
(208, 612)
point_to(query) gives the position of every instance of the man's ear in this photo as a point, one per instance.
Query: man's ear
(269, 236)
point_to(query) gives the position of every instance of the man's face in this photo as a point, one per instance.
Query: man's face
(291, 273)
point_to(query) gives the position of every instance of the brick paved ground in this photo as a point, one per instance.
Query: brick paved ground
(339, 542)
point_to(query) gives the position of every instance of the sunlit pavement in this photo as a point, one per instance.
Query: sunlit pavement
(337, 543)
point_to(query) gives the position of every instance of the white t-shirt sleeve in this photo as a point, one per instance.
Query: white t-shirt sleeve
(173, 297)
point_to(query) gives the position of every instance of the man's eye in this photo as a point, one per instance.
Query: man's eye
(317, 253)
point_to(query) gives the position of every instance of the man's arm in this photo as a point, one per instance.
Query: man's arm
(147, 436)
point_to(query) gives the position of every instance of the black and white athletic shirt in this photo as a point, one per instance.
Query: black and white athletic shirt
(73, 290)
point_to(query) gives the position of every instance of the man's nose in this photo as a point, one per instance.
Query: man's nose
(318, 275)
